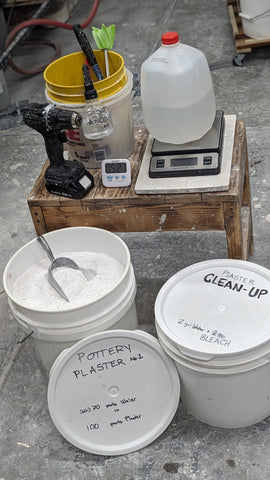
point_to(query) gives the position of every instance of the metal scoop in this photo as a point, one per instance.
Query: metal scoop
(62, 262)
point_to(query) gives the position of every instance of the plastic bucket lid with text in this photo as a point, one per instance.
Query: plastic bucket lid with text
(113, 392)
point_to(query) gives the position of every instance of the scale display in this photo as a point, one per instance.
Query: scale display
(201, 157)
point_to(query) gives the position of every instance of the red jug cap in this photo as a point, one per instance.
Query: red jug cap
(170, 38)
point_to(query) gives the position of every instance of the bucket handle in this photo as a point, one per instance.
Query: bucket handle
(26, 337)
(250, 18)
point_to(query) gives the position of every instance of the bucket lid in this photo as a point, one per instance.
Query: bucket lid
(113, 392)
(216, 308)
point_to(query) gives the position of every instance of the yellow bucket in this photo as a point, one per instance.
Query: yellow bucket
(64, 77)
(65, 89)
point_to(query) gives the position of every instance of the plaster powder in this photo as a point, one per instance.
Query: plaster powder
(32, 288)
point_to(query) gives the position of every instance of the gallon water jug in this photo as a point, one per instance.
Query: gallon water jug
(178, 99)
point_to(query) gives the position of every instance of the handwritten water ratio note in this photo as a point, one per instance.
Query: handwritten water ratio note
(113, 401)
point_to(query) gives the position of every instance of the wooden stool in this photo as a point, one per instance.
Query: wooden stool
(122, 210)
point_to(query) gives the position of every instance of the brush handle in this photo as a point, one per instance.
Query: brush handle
(87, 50)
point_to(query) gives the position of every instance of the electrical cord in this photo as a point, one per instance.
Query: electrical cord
(40, 69)
(52, 23)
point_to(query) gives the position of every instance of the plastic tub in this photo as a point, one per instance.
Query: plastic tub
(54, 330)
(255, 18)
(212, 319)
(64, 88)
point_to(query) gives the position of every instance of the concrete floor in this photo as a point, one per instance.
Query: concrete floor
(31, 447)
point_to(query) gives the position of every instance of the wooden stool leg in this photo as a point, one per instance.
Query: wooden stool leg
(233, 227)
(38, 220)
(238, 214)
(246, 206)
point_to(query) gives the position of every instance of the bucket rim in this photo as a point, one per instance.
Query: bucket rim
(223, 361)
(104, 318)
(68, 309)
(100, 85)
(215, 370)
(209, 365)
(110, 100)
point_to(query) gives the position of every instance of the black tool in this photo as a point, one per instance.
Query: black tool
(87, 50)
(62, 177)
(90, 92)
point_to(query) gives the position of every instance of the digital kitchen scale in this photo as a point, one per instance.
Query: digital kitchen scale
(206, 182)
(200, 157)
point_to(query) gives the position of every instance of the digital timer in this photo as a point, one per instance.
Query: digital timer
(116, 172)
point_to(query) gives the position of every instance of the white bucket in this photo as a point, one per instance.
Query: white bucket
(255, 16)
(119, 144)
(54, 330)
(213, 320)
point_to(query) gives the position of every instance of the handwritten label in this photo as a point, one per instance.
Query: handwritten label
(207, 335)
(235, 283)
(113, 410)
(99, 367)
(106, 354)
(101, 410)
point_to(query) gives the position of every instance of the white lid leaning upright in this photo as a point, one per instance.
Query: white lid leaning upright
(113, 392)
(216, 308)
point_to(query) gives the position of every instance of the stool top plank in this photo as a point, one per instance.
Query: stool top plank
(106, 196)
(99, 193)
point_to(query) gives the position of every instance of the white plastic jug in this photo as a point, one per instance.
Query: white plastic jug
(178, 98)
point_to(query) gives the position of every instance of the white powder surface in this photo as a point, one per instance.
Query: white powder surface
(32, 288)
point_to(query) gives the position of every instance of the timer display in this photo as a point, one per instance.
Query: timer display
(115, 167)
(116, 172)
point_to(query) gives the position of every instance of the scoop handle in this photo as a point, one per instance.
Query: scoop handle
(43, 242)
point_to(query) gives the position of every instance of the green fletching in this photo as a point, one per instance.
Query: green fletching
(104, 36)
(95, 32)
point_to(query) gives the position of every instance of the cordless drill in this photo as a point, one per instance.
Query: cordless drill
(62, 177)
